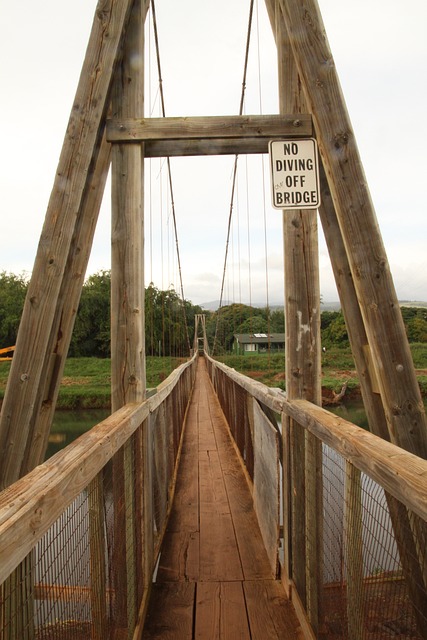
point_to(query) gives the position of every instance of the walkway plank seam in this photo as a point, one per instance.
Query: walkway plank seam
(214, 579)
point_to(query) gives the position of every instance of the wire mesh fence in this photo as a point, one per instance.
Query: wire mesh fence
(366, 590)
(87, 574)
(354, 552)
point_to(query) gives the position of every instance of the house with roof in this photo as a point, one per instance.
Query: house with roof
(258, 342)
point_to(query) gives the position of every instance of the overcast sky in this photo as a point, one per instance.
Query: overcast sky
(380, 51)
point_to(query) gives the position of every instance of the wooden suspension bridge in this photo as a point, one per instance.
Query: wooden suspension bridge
(267, 535)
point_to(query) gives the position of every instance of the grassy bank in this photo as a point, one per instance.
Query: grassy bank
(86, 382)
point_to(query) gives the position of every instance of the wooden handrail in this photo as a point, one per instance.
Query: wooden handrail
(32, 504)
(402, 474)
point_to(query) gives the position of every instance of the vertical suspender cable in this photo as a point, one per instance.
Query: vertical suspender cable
(233, 188)
(263, 189)
(156, 38)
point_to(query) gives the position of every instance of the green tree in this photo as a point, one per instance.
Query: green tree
(327, 317)
(169, 322)
(416, 329)
(277, 321)
(221, 326)
(336, 331)
(13, 290)
(91, 335)
(255, 324)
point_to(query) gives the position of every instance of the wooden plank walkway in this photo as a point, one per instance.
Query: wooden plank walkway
(214, 578)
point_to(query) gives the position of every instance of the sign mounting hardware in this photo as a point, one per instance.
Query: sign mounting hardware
(294, 169)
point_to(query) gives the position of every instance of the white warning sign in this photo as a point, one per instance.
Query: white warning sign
(294, 170)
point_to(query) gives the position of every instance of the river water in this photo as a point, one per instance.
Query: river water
(69, 425)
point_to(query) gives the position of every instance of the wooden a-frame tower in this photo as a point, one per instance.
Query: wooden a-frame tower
(106, 126)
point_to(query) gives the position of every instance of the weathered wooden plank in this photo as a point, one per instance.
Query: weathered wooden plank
(270, 614)
(286, 489)
(253, 556)
(354, 552)
(98, 593)
(139, 500)
(17, 603)
(130, 530)
(266, 483)
(252, 552)
(170, 612)
(305, 628)
(127, 226)
(180, 557)
(222, 127)
(302, 317)
(55, 263)
(219, 555)
(119, 567)
(185, 512)
(147, 533)
(207, 440)
(160, 479)
(209, 147)
(66, 306)
(314, 527)
(221, 612)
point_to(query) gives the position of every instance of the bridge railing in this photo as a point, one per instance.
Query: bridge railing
(80, 535)
(351, 538)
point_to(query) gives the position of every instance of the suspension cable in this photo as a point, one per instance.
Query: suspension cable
(162, 99)
(263, 188)
(233, 188)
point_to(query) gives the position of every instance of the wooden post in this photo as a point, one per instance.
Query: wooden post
(148, 505)
(303, 361)
(17, 603)
(130, 531)
(127, 298)
(354, 552)
(127, 241)
(44, 333)
(98, 571)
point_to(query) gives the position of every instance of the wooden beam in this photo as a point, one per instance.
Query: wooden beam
(127, 308)
(303, 354)
(127, 227)
(251, 126)
(206, 147)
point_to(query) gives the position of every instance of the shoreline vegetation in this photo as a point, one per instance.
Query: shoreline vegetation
(86, 381)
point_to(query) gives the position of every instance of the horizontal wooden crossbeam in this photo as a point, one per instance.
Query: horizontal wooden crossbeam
(215, 135)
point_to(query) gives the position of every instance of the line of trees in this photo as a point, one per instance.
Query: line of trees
(170, 320)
